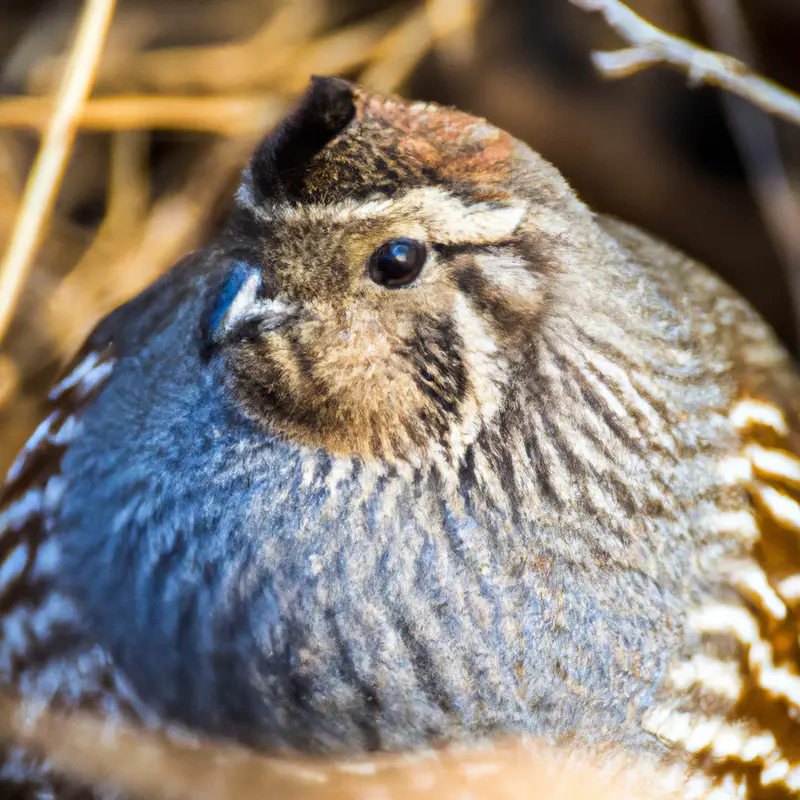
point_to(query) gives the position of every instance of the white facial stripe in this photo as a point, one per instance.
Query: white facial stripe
(247, 305)
(243, 303)
(446, 219)
(508, 273)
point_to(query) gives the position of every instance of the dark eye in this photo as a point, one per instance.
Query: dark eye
(397, 262)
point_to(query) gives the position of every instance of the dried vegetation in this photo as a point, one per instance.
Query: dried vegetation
(181, 92)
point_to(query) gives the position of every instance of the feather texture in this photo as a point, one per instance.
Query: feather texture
(548, 488)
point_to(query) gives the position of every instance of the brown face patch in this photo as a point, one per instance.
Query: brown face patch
(359, 388)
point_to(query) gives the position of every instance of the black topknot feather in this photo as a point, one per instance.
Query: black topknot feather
(279, 165)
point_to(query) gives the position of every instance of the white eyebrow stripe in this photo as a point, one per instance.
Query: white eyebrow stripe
(447, 219)
(509, 273)
(479, 223)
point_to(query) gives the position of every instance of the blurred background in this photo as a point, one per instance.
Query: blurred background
(186, 87)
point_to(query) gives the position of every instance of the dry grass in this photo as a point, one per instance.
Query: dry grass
(178, 766)
(167, 104)
(207, 78)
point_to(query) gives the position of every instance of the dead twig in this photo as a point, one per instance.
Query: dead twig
(70, 304)
(9, 379)
(651, 46)
(400, 51)
(40, 191)
(174, 225)
(237, 67)
(454, 24)
(226, 116)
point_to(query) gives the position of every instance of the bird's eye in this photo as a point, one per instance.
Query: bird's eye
(397, 262)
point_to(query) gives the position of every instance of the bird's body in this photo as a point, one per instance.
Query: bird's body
(521, 470)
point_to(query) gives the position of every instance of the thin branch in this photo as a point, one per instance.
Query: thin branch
(399, 52)
(45, 177)
(175, 224)
(217, 69)
(651, 46)
(226, 116)
(69, 305)
(9, 379)
(337, 53)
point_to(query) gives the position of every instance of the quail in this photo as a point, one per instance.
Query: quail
(419, 451)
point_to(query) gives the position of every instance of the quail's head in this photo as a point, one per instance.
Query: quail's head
(419, 450)
(391, 281)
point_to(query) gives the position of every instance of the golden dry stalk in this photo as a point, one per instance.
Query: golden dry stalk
(226, 74)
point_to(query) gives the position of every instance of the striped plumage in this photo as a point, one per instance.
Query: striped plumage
(547, 488)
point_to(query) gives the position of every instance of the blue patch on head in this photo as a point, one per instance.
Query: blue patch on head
(230, 289)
